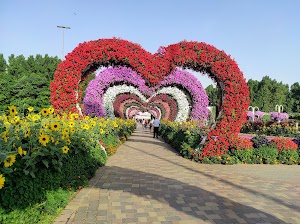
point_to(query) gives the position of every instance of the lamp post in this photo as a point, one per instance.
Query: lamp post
(63, 28)
(253, 111)
(279, 108)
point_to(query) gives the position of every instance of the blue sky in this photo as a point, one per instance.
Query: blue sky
(262, 36)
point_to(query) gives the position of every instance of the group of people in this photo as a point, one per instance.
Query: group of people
(153, 125)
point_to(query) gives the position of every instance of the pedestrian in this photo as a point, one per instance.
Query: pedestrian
(156, 124)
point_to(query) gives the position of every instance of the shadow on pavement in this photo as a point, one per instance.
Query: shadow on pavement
(191, 200)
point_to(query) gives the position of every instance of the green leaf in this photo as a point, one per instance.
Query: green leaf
(7, 170)
(26, 172)
(45, 163)
(32, 174)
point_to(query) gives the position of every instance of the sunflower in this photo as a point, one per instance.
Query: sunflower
(51, 110)
(65, 131)
(30, 109)
(65, 149)
(45, 111)
(2, 180)
(13, 110)
(36, 117)
(27, 133)
(44, 139)
(93, 123)
(85, 126)
(20, 150)
(55, 126)
(9, 161)
(71, 124)
(102, 131)
(17, 119)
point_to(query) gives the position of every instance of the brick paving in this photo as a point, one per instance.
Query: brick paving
(146, 181)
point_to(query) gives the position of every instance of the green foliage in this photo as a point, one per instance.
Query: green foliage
(288, 157)
(25, 82)
(266, 118)
(44, 212)
(243, 156)
(265, 94)
(265, 154)
(213, 95)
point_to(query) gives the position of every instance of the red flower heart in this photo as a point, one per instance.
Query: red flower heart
(198, 56)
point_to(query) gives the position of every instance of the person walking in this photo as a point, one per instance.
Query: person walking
(156, 124)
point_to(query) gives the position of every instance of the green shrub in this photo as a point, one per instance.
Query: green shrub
(244, 156)
(288, 157)
(265, 154)
(266, 118)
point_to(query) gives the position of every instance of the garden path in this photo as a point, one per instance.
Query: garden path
(147, 182)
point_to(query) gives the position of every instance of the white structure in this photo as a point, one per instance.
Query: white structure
(143, 115)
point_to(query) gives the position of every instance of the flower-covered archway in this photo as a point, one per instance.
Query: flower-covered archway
(197, 56)
(180, 93)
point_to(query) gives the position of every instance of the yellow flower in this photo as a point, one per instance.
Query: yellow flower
(30, 109)
(93, 123)
(36, 117)
(2, 180)
(102, 131)
(24, 152)
(68, 141)
(44, 139)
(55, 126)
(45, 111)
(65, 136)
(116, 125)
(85, 126)
(17, 119)
(20, 150)
(9, 161)
(13, 110)
(65, 149)
(65, 131)
(71, 124)
(51, 110)
(27, 133)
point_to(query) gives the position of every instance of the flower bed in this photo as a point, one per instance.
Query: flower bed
(43, 152)
(185, 137)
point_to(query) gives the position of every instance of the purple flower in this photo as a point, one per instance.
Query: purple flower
(93, 101)
(276, 116)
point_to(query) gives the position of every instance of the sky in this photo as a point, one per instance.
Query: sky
(263, 37)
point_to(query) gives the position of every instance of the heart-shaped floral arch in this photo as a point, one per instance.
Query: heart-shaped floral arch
(87, 57)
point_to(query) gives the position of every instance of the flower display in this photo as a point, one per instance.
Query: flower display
(112, 92)
(276, 116)
(93, 101)
(197, 56)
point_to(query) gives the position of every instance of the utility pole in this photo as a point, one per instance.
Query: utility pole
(63, 28)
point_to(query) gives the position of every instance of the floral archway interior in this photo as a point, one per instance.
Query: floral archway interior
(152, 70)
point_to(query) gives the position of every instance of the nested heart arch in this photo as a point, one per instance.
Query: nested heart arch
(87, 57)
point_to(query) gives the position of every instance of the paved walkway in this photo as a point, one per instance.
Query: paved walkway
(147, 182)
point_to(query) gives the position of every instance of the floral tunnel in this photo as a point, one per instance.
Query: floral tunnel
(150, 70)
(180, 95)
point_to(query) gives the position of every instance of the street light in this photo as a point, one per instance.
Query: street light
(63, 28)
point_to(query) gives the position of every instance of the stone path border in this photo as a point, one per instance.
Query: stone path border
(147, 182)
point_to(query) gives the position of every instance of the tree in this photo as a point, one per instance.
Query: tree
(295, 96)
(25, 82)
(213, 95)
(3, 64)
(267, 93)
